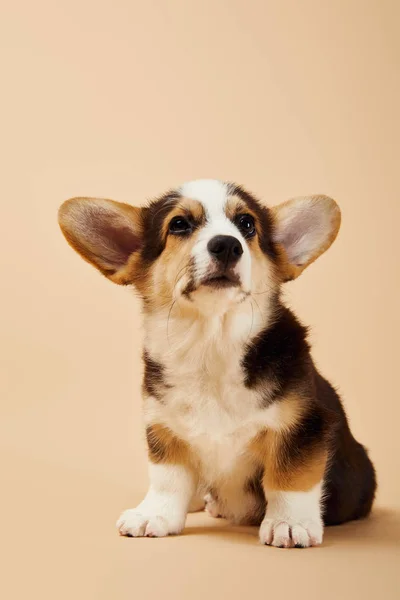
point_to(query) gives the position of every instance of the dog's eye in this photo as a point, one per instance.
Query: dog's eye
(246, 225)
(179, 226)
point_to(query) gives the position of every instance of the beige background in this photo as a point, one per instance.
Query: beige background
(124, 99)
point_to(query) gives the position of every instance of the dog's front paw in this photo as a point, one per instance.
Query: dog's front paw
(139, 523)
(291, 534)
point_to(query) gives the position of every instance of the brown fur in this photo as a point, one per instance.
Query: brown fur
(188, 208)
(281, 472)
(174, 262)
(235, 206)
(165, 447)
(274, 452)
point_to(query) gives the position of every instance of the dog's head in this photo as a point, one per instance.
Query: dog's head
(207, 244)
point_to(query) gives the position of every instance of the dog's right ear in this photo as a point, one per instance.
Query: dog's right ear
(105, 233)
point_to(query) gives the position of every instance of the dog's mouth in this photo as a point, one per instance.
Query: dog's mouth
(221, 280)
(216, 281)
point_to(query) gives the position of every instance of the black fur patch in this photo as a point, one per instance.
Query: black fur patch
(279, 354)
(152, 221)
(350, 476)
(153, 381)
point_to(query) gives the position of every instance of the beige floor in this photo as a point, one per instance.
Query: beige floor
(124, 99)
(63, 545)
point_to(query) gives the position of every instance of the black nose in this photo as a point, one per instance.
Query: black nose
(226, 249)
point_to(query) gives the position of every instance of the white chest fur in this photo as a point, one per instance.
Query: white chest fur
(218, 424)
(207, 403)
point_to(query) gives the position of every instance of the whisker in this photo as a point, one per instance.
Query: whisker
(169, 315)
(179, 272)
(258, 306)
(252, 320)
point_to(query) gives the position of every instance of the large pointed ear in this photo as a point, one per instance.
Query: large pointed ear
(105, 233)
(304, 228)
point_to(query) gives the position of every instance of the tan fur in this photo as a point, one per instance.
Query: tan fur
(271, 451)
(157, 283)
(186, 207)
(265, 276)
(235, 206)
(171, 269)
(281, 476)
(165, 447)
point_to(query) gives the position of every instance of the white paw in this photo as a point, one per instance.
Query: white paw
(212, 506)
(137, 523)
(290, 533)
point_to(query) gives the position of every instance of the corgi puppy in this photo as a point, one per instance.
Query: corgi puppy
(238, 419)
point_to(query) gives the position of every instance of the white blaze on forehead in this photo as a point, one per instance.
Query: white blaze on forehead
(212, 194)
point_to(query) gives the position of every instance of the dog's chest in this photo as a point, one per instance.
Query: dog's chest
(217, 416)
(205, 400)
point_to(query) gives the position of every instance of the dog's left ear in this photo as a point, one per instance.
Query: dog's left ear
(304, 228)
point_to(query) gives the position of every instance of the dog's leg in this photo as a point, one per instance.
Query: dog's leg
(164, 509)
(293, 487)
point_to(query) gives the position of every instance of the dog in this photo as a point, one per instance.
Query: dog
(238, 419)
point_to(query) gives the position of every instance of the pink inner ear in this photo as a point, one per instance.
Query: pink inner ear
(302, 232)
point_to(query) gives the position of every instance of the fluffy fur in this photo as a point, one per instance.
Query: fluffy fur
(237, 417)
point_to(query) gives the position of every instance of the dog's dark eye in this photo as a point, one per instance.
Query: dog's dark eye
(180, 226)
(246, 225)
